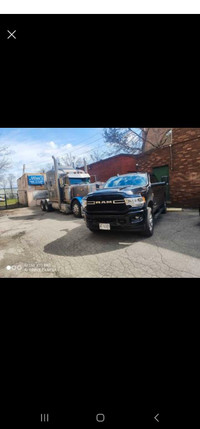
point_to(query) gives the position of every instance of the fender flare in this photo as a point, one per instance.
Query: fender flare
(79, 199)
(149, 202)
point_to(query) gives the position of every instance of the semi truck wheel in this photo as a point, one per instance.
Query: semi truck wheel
(76, 209)
(47, 206)
(149, 226)
(42, 206)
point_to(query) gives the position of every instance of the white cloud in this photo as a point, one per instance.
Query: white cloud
(53, 145)
(37, 153)
(34, 154)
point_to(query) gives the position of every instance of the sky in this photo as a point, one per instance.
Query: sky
(34, 147)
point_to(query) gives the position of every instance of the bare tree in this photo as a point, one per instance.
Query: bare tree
(128, 140)
(157, 137)
(4, 162)
(11, 179)
(42, 170)
(98, 155)
(67, 160)
(3, 182)
(48, 167)
(79, 162)
(133, 140)
(70, 160)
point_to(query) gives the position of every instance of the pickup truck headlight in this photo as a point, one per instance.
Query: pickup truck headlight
(135, 202)
(84, 203)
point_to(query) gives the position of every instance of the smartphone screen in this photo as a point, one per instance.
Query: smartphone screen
(99, 221)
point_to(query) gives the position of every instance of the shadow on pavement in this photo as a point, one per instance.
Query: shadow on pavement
(80, 241)
(46, 215)
(180, 234)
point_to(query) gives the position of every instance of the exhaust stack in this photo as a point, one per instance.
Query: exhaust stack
(56, 180)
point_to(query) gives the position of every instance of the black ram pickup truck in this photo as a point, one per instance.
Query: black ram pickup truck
(127, 202)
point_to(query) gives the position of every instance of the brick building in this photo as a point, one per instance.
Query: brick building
(118, 164)
(180, 161)
(178, 158)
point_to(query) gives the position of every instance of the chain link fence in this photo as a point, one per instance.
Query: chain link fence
(9, 200)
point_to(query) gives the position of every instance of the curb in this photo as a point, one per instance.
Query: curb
(174, 209)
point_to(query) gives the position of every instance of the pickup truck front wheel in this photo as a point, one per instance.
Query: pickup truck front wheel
(149, 226)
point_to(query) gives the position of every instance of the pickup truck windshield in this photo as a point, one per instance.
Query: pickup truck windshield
(78, 181)
(135, 180)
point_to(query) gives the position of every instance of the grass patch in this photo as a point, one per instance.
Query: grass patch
(10, 202)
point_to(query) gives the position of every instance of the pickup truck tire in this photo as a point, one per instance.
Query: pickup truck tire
(76, 209)
(149, 225)
(94, 229)
(164, 208)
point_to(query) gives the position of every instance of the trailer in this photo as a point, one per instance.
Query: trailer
(66, 188)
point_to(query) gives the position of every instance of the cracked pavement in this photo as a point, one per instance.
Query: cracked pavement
(40, 244)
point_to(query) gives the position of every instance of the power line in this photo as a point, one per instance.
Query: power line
(81, 147)
(66, 153)
(73, 150)
(47, 160)
(88, 138)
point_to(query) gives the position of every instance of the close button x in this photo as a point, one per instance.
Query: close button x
(11, 34)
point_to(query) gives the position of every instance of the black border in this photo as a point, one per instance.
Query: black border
(100, 71)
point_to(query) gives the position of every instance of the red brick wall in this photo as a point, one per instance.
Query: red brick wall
(119, 164)
(183, 162)
(185, 134)
(184, 167)
(155, 135)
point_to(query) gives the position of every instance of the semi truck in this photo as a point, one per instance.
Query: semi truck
(66, 188)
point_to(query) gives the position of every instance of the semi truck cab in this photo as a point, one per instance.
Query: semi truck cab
(66, 188)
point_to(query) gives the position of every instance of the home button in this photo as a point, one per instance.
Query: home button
(100, 418)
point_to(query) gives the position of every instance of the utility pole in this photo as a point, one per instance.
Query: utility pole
(24, 167)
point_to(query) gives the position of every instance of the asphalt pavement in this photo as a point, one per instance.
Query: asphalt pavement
(40, 244)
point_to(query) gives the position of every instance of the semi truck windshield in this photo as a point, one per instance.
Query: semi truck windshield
(77, 181)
